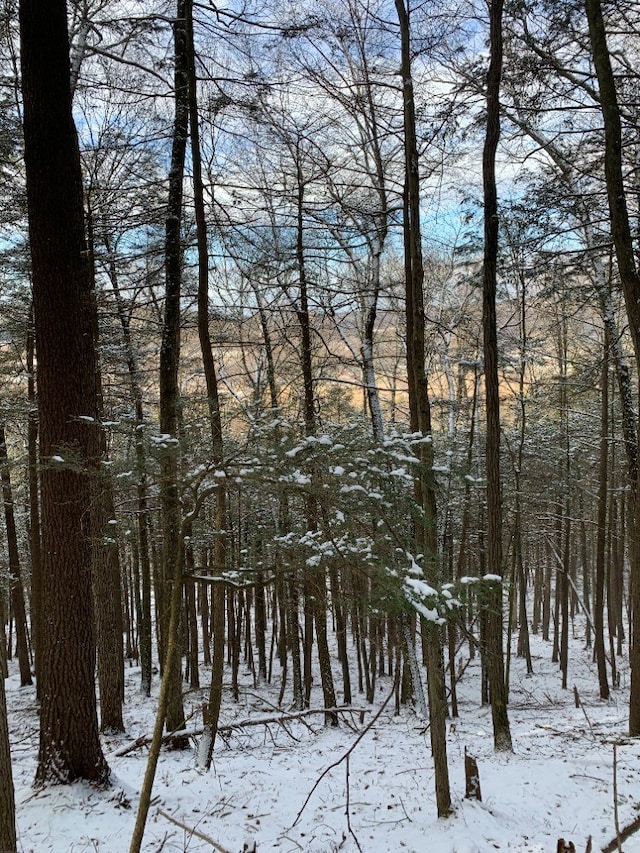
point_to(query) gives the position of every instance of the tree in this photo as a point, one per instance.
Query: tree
(493, 642)
(205, 751)
(7, 800)
(17, 589)
(420, 413)
(630, 280)
(170, 360)
(69, 742)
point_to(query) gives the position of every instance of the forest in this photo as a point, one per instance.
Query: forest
(320, 346)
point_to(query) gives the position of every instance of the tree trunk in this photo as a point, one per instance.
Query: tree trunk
(7, 799)
(170, 360)
(601, 533)
(105, 559)
(420, 414)
(69, 743)
(493, 640)
(142, 514)
(34, 497)
(17, 590)
(630, 280)
(215, 420)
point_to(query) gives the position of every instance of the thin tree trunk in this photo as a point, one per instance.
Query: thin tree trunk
(17, 589)
(494, 640)
(420, 415)
(598, 597)
(170, 360)
(105, 558)
(7, 798)
(215, 420)
(630, 280)
(142, 514)
(34, 498)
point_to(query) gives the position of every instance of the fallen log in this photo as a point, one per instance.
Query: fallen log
(279, 719)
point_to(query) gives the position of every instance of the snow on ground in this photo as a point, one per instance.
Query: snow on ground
(557, 783)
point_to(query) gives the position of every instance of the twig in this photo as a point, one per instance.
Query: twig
(347, 808)
(615, 797)
(345, 756)
(579, 704)
(193, 831)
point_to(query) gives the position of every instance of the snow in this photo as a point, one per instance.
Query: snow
(557, 783)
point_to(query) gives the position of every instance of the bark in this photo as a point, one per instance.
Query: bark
(420, 414)
(69, 743)
(598, 593)
(17, 589)
(293, 637)
(523, 647)
(34, 497)
(142, 514)
(493, 639)
(261, 626)
(341, 631)
(170, 360)
(105, 560)
(414, 668)
(315, 582)
(630, 280)
(172, 664)
(564, 596)
(215, 420)
(7, 797)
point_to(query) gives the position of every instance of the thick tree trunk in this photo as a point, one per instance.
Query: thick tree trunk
(69, 743)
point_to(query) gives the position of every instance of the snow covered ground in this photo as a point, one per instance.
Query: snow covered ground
(557, 783)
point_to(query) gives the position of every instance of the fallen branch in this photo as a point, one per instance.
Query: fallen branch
(625, 833)
(193, 831)
(280, 719)
(345, 758)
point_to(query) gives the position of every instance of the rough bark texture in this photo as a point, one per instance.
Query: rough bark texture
(420, 413)
(69, 742)
(493, 639)
(630, 280)
(7, 799)
(170, 360)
